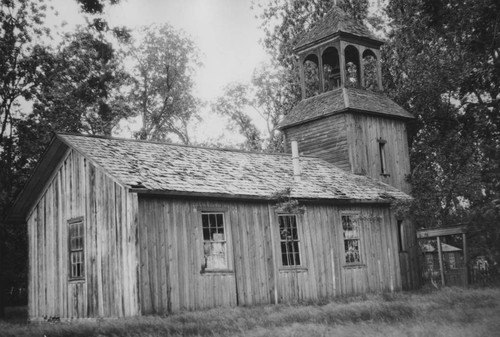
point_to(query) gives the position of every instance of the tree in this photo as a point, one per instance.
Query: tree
(234, 104)
(443, 65)
(20, 63)
(85, 91)
(30, 70)
(165, 60)
(283, 21)
(267, 97)
(21, 70)
(274, 97)
(95, 6)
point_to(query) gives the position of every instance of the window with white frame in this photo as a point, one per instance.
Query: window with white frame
(289, 240)
(351, 234)
(76, 249)
(214, 241)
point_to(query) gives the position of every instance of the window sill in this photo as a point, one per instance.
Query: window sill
(77, 280)
(216, 272)
(354, 266)
(293, 269)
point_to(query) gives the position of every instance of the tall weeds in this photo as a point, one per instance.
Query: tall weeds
(451, 311)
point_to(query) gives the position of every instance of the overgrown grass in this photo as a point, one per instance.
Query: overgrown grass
(448, 312)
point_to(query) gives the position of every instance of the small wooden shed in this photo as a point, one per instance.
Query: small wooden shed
(124, 227)
(443, 263)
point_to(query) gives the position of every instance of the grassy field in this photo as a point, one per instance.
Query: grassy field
(448, 312)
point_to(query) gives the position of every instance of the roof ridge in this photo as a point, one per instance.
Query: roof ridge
(282, 154)
(337, 21)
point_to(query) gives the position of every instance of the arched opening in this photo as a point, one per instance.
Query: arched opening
(311, 75)
(370, 70)
(331, 68)
(352, 75)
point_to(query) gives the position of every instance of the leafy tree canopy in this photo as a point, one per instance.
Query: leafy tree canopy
(268, 97)
(284, 21)
(165, 60)
(443, 65)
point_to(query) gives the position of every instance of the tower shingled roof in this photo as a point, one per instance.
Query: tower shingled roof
(342, 100)
(336, 21)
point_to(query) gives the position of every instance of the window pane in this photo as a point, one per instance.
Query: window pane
(215, 255)
(212, 221)
(352, 251)
(206, 234)
(284, 259)
(297, 259)
(349, 226)
(205, 227)
(294, 232)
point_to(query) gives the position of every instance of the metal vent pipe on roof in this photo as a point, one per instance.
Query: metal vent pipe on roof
(295, 160)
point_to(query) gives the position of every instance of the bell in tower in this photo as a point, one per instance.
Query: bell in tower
(344, 117)
(342, 52)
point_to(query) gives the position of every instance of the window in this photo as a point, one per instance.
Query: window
(381, 149)
(214, 241)
(350, 227)
(289, 240)
(401, 236)
(76, 249)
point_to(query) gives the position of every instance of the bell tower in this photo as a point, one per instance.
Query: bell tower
(344, 117)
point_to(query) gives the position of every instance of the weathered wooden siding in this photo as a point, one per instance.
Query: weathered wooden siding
(171, 252)
(325, 138)
(349, 140)
(79, 189)
(409, 257)
(326, 273)
(364, 152)
(171, 256)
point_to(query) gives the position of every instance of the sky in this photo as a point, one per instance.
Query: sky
(226, 32)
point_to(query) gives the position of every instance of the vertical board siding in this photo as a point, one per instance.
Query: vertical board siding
(79, 189)
(329, 140)
(143, 255)
(171, 255)
(349, 141)
(409, 258)
(364, 148)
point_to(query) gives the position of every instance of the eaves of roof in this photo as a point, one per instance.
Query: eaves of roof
(343, 100)
(153, 168)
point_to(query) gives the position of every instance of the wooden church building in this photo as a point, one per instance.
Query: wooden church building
(125, 227)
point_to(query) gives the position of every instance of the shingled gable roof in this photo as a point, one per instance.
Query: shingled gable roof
(186, 169)
(153, 167)
(334, 23)
(342, 100)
